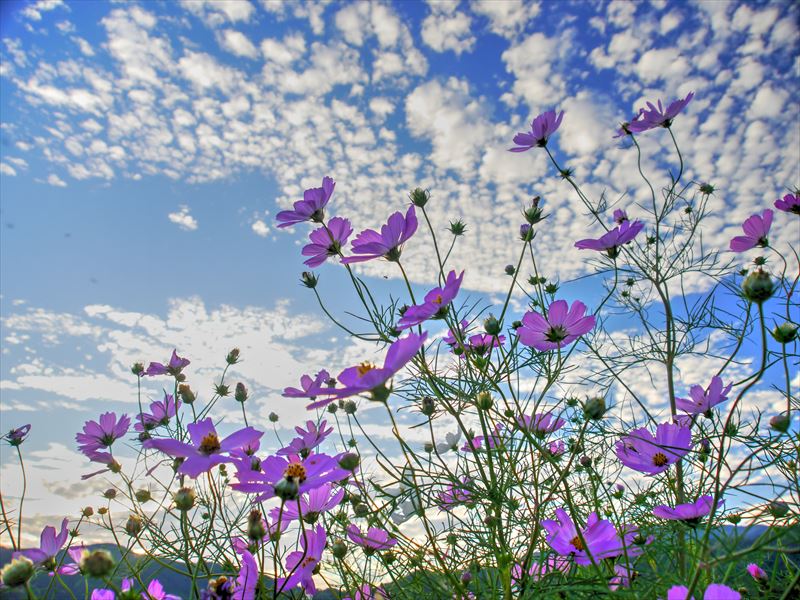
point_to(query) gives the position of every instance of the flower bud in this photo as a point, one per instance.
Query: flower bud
(102, 510)
(492, 326)
(273, 417)
(142, 495)
(240, 392)
(419, 197)
(525, 232)
(428, 447)
(350, 407)
(389, 557)
(457, 228)
(778, 509)
(785, 333)
(758, 287)
(466, 577)
(287, 489)
(510, 269)
(594, 408)
(451, 539)
(349, 461)
(706, 188)
(110, 494)
(97, 563)
(533, 214)
(484, 401)
(137, 369)
(87, 512)
(309, 279)
(734, 519)
(361, 510)
(233, 357)
(551, 288)
(427, 406)
(17, 572)
(339, 549)
(186, 393)
(255, 525)
(585, 461)
(780, 422)
(184, 499)
(133, 526)
(332, 408)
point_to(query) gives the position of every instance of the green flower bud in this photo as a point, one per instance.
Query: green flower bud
(533, 214)
(484, 401)
(785, 333)
(133, 526)
(87, 512)
(419, 197)
(255, 525)
(427, 406)
(143, 495)
(349, 461)
(594, 408)
(309, 279)
(706, 188)
(233, 357)
(240, 393)
(273, 417)
(184, 499)
(221, 389)
(110, 494)
(492, 326)
(758, 287)
(510, 269)
(457, 227)
(778, 509)
(97, 563)
(137, 369)
(17, 572)
(361, 510)
(332, 408)
(339, 549)
(287, 489)
(780, 422)
(428, 447)
(186, 393)
(350, 407)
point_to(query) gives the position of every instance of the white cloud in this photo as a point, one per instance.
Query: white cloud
(445, 29)
(34, 10)
(183, 219)
(381, 106)
(55, 180)
(217, 12)
(286, 52)
(237, 43)
(532, 63)
(507, 17)
(768, 102)
(7, 169)
(260, 228)
(85, 47)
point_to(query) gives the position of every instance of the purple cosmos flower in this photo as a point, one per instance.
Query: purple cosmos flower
(540, 424)
(479, 343)
(309, 388)
(691, 513)
(538, 570)
(610, 242)
(173, 367)
(16, 436)
(206, 450)
(455, 494)
(155, 591)
(474, 444)
(312, 504)
(598, 540)
(435, 304)
(655, 116)
(301, 564)
(365, 592)
(327, 241)
(789, 203)
(161, 411)
(73, 568)
(562, 326)
(388, 243)
(756, 229)
(311, 207)
(50, 545)
(715, 591)
(103, 594)
(368, 377)
(703, 400)
(101, 435)
(556, 449)
(757, 573)
(642, 451)
(288, 477)
(542, 127)
(247, 580)
(375, 539)
(620, 216)
(310, 438)
(622, 578)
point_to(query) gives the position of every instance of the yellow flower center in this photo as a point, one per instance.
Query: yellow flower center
(576, 541)
(660, 459)
(210, 444)
(364, 368)
(438, 299)
(295, 471)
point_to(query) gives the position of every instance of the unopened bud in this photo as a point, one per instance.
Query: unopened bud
(97, 563)
(339, 549)
(17, 572)
(361, 510)
(137, 369)
(143, 495)
(457, 228)
(233, 357)
(427, 406)
(287, 489)
(240, 393)
(309, 279)
(510, 269)
(273, 417)
(186, 393)
(594, 408)
(133, 526)
(780, 422)
(778, 509)
(349, 461)
(255, 526)
(785, 333)
(221, 389)
(87, 512)
(492, 326)
(184, 499)
(428, 447)
(758, 287)
(419, 197)
(110, 494)
(350, 407)
(484, 400)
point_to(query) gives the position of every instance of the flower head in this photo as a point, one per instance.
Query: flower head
(435, 304)
(206, 450)
(691, 513)
(247, 580)
(455, 494)
(327, 241)
(703, 400)
(715, 591)
(301, 564)
(562, 326)
(17, 435)
(174, 367)
(161, 411)
(644, 452)
(288, 477)
(309, 388)
(388, 244)
(537, 570)
(756, 229)
(542, 127)
(789, 203)
(757, 573)
(611, 241)
(310, 438)
(476, 442)
(375, 538)
(655, 116)
(50, 545)
(102, 434)
(540, 424)
(313, 503)
(311, 207)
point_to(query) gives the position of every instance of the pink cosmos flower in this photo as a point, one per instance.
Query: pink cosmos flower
(50, 545)
(155, 591)
(311, 207)
(611, 242)
(563, 325)
(756, 229)
(309, 388)
(247, 580)
(103, 594)
(455, 494)
(388, 244)
(476, 443)
(17, 435)
(327, 241)
(312, 504)
(556, 449)
(101, 435)
(310, 438)
(644, 452)
(656, 116)
(540, 424)
(537, 570)
(622, 578)
(479, 343)
(703, 400)
(757, 573)
(206, 450)
(174, 367)
(598, 540)
(365, 592)
(161, 411)
(715, 591)
(301, 564)
(288, 477)
(789, 203)
(435, 304)
(691, 513)
(542, 127)
(375, 539)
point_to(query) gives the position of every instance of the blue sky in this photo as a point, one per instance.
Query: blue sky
(146, 147)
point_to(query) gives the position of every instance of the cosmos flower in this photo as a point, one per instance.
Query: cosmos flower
(368, 377)
(435, 304)
(622, 578)
(365, 592)
(450, 442)
(757, 573)
(538, 570)
(312, 504)
(557, 448)
(644, 452)
(17, 435)
(247, 580)
(598, 540)
(174, 367)
(311, 207)
(542, 127)
(703, 400)
(101, 435)
(155, 591)
(563, 325)
(161, 411)
(620, 216)
(455, 494)
(655, 116)
(103, 594)
(691, 513)
(301, 563)
(288, 477)
(50, 545)
(310, 438)
(789, 203)
(715, 591)
(756, 229)
(476, 443)
(540, 424)
(309, 388)
(611, 241)
(206, 450)
(388, 244)
(327, 241)
(375, 539)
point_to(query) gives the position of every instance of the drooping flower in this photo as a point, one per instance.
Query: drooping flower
(450, 442)
(311, 207)
(174, 367)
(611, 241)
(435, 304)
(206, 450)
(691, 513)
(309, 388)
(479, 343)
(375, 539)
(644, 452)
(367, 377)
(327, 241)
(301, 563)
(703, 400)
(50, 545)
(789, 203)
(715, 591)
(17, 435)
(288, 477)
(756, 229)
(620, 216)
(540, 424)
(161, 411)
(312, 504)
(655, 116)
(598, 540)
(388, 244)
(310, 438)
(537, 570)
(247, 580)
(757, 573)
(563, 325)
(542, 127)
(100, 435)
(455, 494)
